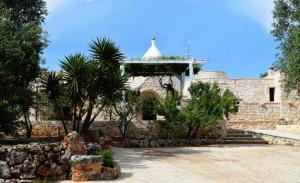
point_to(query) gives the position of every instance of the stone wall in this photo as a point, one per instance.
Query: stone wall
(256, 111)
(256, 116)
(39, 162)
(28, 162)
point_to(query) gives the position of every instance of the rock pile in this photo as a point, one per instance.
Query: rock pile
(30, 162)
(54, 161)
(40, 161)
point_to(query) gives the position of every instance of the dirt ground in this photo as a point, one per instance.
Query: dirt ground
(210, 164)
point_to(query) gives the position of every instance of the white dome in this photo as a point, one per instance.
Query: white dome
(152, 52)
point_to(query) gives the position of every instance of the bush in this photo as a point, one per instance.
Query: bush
(101, 133)
(108, 160)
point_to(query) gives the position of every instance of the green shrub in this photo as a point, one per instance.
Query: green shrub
(101, 133)
(108, 160)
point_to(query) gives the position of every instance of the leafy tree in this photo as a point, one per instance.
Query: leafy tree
(287, 33)
(170, 111)
(206, 106)
(126, 109)
(21, 44)
(26, 11)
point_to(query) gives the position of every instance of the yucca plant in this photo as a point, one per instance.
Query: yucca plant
(75, 70)
(54, 88)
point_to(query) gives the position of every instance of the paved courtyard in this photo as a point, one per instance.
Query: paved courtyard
(210, 164)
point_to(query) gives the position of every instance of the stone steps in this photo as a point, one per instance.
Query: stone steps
(240, 138)
(238, 135)
(254, 141)
(235, 136)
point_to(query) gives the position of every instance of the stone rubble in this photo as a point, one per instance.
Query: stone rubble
(33, 162)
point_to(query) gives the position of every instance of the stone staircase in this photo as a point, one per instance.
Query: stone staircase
(235, 136)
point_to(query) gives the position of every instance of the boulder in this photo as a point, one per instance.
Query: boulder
(93, 148)
(14, 158)
(50, 169)
(27, 170)
(75, 144)
(109, 173)
(4, 170)
(86, 168)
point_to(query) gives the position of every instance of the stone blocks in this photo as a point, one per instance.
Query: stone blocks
(86, 168)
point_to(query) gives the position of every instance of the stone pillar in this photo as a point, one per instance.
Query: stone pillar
(182, 80)
(122, 68)
(191, 70)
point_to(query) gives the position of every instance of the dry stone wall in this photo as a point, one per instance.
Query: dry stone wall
(256, 111)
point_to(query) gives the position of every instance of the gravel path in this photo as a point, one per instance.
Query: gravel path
(210, 164)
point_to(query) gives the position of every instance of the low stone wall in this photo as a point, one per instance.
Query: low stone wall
(46, 129)
(168, 143)
(49, 162)
(295, 129)
(277, 140)
(262, 125)
(34, 161)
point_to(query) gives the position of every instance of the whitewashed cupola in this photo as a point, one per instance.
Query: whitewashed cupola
(153, 52)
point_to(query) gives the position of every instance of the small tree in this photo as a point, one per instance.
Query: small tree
(55, 92)
(88, 84)
(168, 108)
(206, 107)
(126, 109)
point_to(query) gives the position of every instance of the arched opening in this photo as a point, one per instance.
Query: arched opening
(149, 100)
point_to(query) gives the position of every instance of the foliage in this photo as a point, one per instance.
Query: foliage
(170, 111)
(262, 75)
(126, 109)
(21, 44)
(27, 11)
(88, 83)
(101, 133)
(158, 69)
(54, 89)
(174, 57)
(229, 103)
(8, 115)
(287, 33)
(206, 107)
(108, 159)
(149, 103)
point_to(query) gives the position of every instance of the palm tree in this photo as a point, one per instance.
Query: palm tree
(52, 83)
(107, 81)
(75, 70)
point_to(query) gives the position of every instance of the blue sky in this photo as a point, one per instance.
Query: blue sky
(234, 35)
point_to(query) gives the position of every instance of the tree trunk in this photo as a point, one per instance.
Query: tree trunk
(196, 132)
(62, 117)
(188, 135)
(87, 123)
(28, 125)
(63, 122)
(74, 120)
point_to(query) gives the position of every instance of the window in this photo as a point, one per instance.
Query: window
(272, 94)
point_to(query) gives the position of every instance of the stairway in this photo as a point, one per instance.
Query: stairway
(235, 136)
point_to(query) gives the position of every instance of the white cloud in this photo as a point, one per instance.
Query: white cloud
(53, 4)
(258, 10)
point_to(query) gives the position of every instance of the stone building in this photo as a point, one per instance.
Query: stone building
(263, 102)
